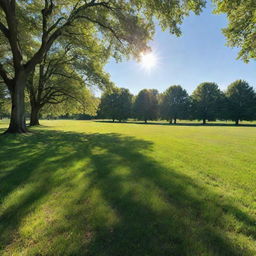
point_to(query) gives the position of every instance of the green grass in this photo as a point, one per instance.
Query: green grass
(103, 189)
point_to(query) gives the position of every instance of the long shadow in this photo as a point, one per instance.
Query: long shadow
(157, 211)
(180, 124)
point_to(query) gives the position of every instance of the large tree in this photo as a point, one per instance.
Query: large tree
(241, 101)
(241, 29)
(175, 103)
(127, 25)
(146, 105)
(207, 101)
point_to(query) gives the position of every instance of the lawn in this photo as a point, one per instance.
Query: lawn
(103, 189)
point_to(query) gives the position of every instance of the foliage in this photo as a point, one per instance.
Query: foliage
(241, 29)
(241, 101)
(175, 103)
(86, 103)
(146, 105)
(207, 101)
(82, 102)
(116, 104)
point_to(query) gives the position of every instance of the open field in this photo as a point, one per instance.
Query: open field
(104, 189)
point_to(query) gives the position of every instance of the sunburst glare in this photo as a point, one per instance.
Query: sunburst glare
(148, 60)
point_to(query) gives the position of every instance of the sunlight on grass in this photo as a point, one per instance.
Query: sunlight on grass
(91, 188)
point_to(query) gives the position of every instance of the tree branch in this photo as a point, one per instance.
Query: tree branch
(4, 30)
(102, 25)
(9, 8)
(5, 77)
(48, 40)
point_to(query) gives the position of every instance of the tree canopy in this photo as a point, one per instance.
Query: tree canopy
(241, 29)
(84, 103)
(175, 103)
(146, 105)
(207, 99)
(241, 101)
(116, 104)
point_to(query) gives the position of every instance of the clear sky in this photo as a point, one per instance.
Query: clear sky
(199, 55)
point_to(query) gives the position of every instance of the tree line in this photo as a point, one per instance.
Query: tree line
(206, 103)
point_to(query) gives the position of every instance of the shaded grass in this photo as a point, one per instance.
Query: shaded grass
(98, 189)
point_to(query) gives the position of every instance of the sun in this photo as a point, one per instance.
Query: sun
(148, 60)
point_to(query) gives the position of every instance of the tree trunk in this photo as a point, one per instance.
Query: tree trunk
(113, 120)
(18, 122)
(146, 121)
(170, 122)
(237, 122)
(175, 120)
(34, 116)
(204, 121)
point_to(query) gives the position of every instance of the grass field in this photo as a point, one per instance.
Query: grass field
(104, 189)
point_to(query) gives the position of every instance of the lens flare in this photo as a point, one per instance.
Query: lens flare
(148, 60)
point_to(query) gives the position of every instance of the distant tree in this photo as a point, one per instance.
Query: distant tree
(241, 101)
(241, 30)
(207, 101)
(108, 104)
(116, 104)
(125, 104)
(175, 103)
(146, 105)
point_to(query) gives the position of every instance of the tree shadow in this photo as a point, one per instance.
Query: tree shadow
(113, 199)
(180, 124)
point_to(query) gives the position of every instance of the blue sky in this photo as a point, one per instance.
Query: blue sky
(199, 55)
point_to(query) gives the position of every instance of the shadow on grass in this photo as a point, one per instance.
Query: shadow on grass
(179, 124)
(113, 199)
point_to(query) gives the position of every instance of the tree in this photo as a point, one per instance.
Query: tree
(241, 101)
(146, 105)
(175, 103)
(61, 75)
(127, 25)
(116, 104)
(207, 101)
(241, 29)
(125, 105)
